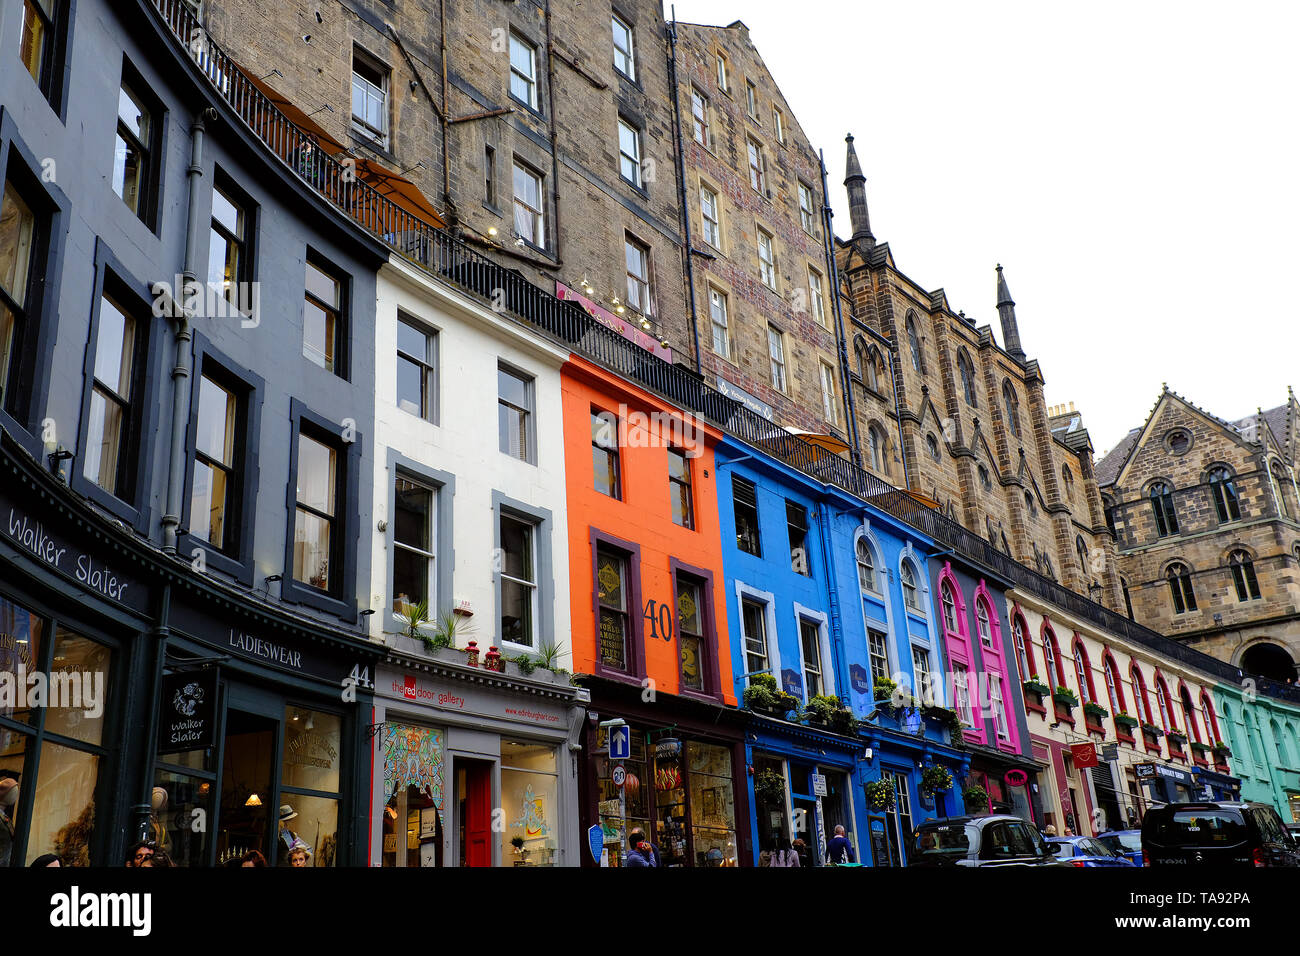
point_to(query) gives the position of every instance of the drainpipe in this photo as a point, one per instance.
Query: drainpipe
(680, 157)
(181, 384)
(846, 383)
(555, 145)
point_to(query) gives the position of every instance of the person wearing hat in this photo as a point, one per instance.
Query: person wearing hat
(299, 854)
(287, 837)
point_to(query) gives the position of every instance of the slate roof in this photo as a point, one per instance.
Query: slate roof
(1107, 469)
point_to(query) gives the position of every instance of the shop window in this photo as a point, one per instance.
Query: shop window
(417, 369)
(679, 485)
(136, 156)
(693, 653)
(796, 521)
(635, 811)
(324, 320)
(712, 805)
(530, 798)
(744, 497)
(50, 768)
(605, 453)
(414, 782)
(614, 606)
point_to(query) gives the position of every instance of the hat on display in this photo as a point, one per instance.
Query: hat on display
(287, 813)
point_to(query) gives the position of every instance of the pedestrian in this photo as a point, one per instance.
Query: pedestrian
(784, 855)
(139, 853)
(8, 803)
(299, 854)
(1049, 831)
(641, 852)
(839, 849)
(802, 852)
(1068, 832)
(44, 860)
(287, 837)
(252, 858)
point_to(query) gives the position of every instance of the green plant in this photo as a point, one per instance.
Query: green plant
(769, 787)
(758, 697)
(1093, 709)
(883, 689)
(446, 629)
(935, 778)
(1152, 729)
(1037, 686)
(414, 615)
(763, 680)
(975, 797)
(1126, 719)
(517, 842)
(525, 663)
(548, 655)
(1177, 735)
(1065, 697)
(1200, 747)
(1221, 748)
(822, 708)
(880, 795)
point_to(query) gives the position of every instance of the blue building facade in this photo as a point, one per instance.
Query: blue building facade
(827, 598)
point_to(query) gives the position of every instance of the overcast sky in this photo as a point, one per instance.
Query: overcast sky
(1133, 166)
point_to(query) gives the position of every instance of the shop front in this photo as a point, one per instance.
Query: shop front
(904, 785)
(1212, 785)
(682, 782)
(260, 741)
(1159, 784)
(452, 743)
(1007, 785)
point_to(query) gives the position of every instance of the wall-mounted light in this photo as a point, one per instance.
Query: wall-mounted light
(492, 231)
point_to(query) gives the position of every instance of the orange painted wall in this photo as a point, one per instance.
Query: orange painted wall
(643, 517)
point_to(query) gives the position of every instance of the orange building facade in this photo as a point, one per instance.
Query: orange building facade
(649, 631)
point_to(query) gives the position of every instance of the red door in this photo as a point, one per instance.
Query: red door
(478, 813)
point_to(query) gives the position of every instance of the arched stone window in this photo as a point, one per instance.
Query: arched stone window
(911, 596)
(1011, 407)
(1162, 503)
(967, 371)
(866, 566)
(914, 344)
(1223, 489)
(1243, 576)
(1180, 588)
(875, 450)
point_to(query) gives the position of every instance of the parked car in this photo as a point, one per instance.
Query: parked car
(987, 840)
(1087, 852)
(1216, 834)
(1125, 843)
(1294, 830)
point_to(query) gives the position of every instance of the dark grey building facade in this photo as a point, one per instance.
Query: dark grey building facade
(184, 478)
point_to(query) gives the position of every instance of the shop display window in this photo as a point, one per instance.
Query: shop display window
(529, 796)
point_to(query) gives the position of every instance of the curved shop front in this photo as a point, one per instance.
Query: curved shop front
(472, 767)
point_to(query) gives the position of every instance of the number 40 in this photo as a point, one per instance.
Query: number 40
(661, 621)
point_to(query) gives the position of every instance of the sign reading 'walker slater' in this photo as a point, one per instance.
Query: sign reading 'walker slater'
(32, 537)
(189, 707)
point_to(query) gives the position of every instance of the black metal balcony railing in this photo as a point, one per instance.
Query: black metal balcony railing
(452, 260)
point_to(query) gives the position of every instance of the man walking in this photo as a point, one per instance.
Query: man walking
(839, 849)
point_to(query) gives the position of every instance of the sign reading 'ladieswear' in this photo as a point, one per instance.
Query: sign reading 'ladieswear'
(32, 537)
(454, 697)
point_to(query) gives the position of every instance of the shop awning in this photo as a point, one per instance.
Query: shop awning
(413, 757)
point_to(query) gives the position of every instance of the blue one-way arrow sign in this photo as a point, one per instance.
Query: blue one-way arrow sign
(620, 743)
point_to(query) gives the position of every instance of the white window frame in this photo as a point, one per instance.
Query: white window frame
(778, 123)
(767, 599)
(776, 363)
(644, 284)
(830, 401)
(767, 264)
(757, 165)
(706, 220)
(751, 99)
(805, 614)
(632, 159)
(629, 54)
(816, 298)
(807, 213)
(721, 73)
(985, 633)
(700, 126)
(724, 325)
(371, 91)
(530, 78)
(935, 692)
(538, 238)
(864, 541)
(998, 705)
(534, 532)
(431, 586)
(961, 694)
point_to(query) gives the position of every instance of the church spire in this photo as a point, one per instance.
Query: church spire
(857, 187)
(1007, 313)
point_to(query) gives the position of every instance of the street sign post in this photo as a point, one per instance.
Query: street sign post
(619, 775)
(819, 784)
(620, 743)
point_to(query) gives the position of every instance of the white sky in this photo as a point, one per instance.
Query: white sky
(1132, 166)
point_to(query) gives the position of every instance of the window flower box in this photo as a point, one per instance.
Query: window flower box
(1065, 697)
(1126, 722)
(1151, 735)
(1201, 748)
(1035, 686)
(1095, 711)
(1221, 749)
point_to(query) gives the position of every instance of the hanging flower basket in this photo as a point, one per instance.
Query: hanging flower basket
(880, 795)
(976, 798)
(936, 778)
(769, 787)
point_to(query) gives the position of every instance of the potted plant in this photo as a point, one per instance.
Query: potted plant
(880, 795)
(1200, 748)
(1095, 711)
(1126, 721)
(1151, 730)
(883, 690)
(769, 787)
(1221, 749)
(518, 843)
(935, 778)
(1035, 686)
(1176, 737)
(976, 798)
(820, 709)
(1065, 697)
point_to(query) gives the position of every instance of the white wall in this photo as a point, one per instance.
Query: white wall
(471, 341)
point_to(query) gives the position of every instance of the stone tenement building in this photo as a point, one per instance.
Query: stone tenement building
(759, 256)
(541, 132)
(945, 411)
(1207, 525)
